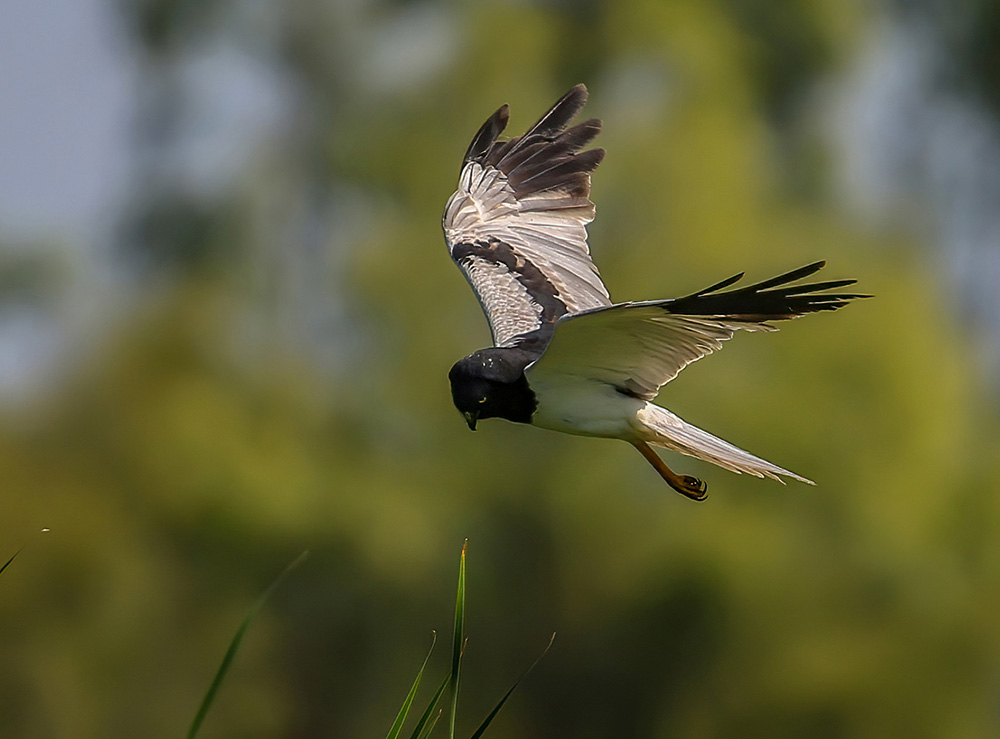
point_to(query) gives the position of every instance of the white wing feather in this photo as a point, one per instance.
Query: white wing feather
(517, 222)
(636, 347)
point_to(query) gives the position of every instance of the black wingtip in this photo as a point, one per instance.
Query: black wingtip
(580, 91)
(577, 95)
(546, 158)
(775, 298)
(720, 285)
(792, 276)
(488, 134)
(560, 114)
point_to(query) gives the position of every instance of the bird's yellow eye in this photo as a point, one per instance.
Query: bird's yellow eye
(482, 400)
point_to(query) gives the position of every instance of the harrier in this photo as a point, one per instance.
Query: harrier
(564, 357)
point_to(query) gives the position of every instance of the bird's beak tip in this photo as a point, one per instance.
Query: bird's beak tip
(471, 418)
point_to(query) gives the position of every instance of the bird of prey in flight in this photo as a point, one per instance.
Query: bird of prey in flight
(564, 357)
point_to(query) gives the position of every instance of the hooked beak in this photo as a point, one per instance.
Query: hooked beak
(470, 418)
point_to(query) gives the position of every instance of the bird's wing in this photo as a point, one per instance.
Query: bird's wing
(516, 226)
(639, 347)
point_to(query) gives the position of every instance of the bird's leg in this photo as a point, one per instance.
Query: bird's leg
(686, 485)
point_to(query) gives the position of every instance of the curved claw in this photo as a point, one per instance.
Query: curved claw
(688, 486)
(692, 487)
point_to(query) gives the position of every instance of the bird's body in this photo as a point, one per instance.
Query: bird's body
(565, 357)
(575, 405)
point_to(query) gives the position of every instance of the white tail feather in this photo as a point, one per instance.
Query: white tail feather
(669, 431)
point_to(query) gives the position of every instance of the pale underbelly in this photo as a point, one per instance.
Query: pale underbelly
(586, 408)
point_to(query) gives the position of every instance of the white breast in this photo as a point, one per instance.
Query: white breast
(575, 405)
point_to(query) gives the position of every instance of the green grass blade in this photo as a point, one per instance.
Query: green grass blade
(458, 646)
(14, 556)
(430, 725)
(426, 722)
(397, 725)
(489, 719)
(234, 646)
(7, 563)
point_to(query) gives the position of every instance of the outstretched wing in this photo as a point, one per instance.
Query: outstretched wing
(516, 226)
(639, 347)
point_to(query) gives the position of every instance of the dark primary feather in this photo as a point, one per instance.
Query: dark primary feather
(768, 300)
(546, 157)
(560, 114)
(487, 135)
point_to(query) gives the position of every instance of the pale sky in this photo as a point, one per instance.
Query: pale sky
(65, 111)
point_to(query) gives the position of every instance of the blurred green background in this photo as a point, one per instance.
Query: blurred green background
(226, 337)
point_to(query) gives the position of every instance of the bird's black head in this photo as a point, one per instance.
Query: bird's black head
(490, 383)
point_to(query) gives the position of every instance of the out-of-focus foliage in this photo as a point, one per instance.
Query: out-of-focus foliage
(282, 386)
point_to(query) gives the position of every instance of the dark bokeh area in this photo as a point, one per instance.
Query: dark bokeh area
(270, 376)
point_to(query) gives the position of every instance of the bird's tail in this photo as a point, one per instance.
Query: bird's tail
(667, 430)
